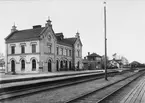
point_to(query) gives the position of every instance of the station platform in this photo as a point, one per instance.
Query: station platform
(49, 74)
(26, 79)
(137, 94)
(19, 80)
(7, 78)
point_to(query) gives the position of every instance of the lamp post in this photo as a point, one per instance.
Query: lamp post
(105, 39)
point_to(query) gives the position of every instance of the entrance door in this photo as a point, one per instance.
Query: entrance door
(13, 66)
(57, 65)
(61, 65)
(70, 65)
(66, 65)
(49, 66)
(78, 65)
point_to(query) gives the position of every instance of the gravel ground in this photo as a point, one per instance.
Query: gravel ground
(62, 94)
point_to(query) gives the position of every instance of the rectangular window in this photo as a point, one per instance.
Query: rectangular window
(61, 51)
(78, 53)
(22, 49)
(69, 52)
(33, 48)
(49, 48)
(13, 49)
(57, 50)
(66, 52)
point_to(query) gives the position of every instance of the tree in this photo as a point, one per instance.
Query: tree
(2, 62)
(124, 60)
(103, 62)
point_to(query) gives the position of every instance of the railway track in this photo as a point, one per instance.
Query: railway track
(103, 94)
(15, 92)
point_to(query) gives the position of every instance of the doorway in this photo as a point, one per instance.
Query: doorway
(57, 65)
(49, 65)
(13, 66)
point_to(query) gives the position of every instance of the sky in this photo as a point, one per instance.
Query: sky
(125, 21)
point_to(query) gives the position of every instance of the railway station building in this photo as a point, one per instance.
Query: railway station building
(40, 49)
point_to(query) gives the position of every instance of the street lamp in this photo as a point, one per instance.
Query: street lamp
(105, 39)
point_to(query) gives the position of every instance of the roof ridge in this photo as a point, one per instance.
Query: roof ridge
(30, 29)
(70, 38)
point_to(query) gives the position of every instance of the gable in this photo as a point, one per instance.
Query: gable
(78, 43)
(48, 34)
(48, 37)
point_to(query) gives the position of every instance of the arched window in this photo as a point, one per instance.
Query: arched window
(66, 64)
(13, 66)
(78, 65)
(49, 65)
(70, 65)
(61, 65)
(57, 65)
(23, 64)
(33, 64)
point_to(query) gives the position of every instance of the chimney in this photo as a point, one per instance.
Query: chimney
(13, 28)
(36, 26)
(88, 53)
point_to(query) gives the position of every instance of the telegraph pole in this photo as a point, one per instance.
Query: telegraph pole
(105, 39)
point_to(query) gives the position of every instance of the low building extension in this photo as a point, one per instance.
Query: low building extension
(92, 61)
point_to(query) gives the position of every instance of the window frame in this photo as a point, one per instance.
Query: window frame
(78, 53)
(12, 49)
(57, 50)
(66, 52)
(33, 49)
(49, 48)
(70, 53)
(61, 51)
(22, 49)
(33, 66)
(23, 65)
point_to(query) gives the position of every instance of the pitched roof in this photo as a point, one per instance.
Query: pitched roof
(67, 41)
(59, 36)
(93, 55)
(62, 40)
(135, 62)
(34, 33)
(70, 40)
(25, 34)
